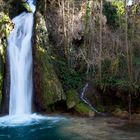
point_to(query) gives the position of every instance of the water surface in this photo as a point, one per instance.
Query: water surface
(67, 128)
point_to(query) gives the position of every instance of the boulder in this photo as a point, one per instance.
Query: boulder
(72, 98)
(74, 102)
(84, 109)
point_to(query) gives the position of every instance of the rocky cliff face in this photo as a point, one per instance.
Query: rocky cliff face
(5, 27)
(47, 88)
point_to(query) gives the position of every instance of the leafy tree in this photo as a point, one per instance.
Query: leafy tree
(114, 11)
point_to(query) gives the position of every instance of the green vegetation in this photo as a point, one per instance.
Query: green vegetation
(70, 78)
(72, 98)
(26, 6)
(114, 11)
(105, 50)
(84, 109)
(48, 89)
(74, 102)
(80, 41)
(5, 27)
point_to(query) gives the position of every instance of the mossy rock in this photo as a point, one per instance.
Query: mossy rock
(72, 98)
(1, 76)
(84, 109)
(74, 102)
(48, 89)
(27, 7)
(6, 26)
(24, 6)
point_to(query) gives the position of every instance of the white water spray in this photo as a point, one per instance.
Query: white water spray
(20, 57)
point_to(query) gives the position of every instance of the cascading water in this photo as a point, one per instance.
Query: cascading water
(20, 57)
(85, 100)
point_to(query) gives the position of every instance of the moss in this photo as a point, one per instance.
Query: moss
(51, 87)
(5, 27)
(27, 7)
(1, 73)
(84, 109)
(48, 89)
(74, 102)
(1, 79)
(71, 98)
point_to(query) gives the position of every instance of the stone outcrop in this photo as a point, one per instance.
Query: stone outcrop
(47, 88)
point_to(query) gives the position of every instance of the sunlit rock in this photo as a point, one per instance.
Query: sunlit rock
(48, 89)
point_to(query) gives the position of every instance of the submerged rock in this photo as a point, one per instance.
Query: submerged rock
(48, 89)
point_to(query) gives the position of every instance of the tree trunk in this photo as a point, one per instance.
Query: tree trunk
(101, 41)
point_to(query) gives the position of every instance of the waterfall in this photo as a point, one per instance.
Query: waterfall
(20, 58)
(85, 100)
